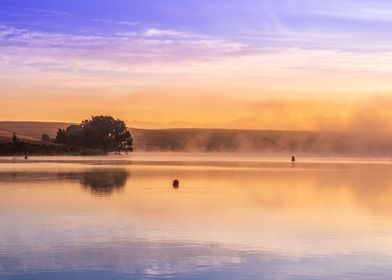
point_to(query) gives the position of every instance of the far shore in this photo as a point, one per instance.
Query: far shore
(173, 158)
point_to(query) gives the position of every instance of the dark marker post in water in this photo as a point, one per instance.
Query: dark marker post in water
(293, 159)
(176, 184)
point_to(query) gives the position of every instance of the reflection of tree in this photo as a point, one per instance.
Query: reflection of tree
(104, 182)
(100, 182)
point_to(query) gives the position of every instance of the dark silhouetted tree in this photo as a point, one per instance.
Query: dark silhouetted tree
(45, 138)
(15, 139)
(19, 145)
(100, 132)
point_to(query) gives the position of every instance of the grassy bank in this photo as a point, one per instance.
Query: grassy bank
(44, 149)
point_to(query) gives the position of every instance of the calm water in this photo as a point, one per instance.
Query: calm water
(231, 218)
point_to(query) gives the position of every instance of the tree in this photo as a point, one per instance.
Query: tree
(19, 145)
(45, 138)
(15, 139)
(72, 135)
(99, 132)
(61, 137)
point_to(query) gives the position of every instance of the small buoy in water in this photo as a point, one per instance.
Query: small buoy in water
(26, 157)
(176, 184)
(293, 159)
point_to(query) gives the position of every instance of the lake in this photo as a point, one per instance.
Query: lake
(231, 217)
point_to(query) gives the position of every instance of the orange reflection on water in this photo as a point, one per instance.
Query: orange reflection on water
(308, 209)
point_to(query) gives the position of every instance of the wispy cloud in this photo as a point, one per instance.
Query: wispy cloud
(117, 22)
(51, 12)
(132, 60)
(155, 32)
(18, 11)
(119, 45)
(23, 51)
(356, 12)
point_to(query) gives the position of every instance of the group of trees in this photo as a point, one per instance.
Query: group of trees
(99, 133)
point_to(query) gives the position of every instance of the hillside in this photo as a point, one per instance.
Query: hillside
(27, 145)
(33, 129)
(6, 137)
(232, 140)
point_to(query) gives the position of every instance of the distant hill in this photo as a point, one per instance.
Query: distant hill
(233, 140)
(6, 136)
(33, 129)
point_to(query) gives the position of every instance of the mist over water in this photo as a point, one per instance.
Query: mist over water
(280, 143)
(231, 218)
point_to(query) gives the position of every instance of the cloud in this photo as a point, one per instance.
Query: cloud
(51, 12)
(122, 48)
(376, 11)
(117, 22)
(154, 32)
(18, 11)
(128, 60)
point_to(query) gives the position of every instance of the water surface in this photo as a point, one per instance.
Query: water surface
(231, 218)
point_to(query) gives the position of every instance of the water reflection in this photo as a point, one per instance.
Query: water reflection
(104, 182)
(183, 261)
(100, 182)
(270, 222)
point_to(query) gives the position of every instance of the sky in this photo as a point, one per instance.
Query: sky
(289, 64)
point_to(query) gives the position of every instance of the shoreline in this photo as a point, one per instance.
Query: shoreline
(199, 160)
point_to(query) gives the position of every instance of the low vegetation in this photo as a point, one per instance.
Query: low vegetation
(98, 135)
